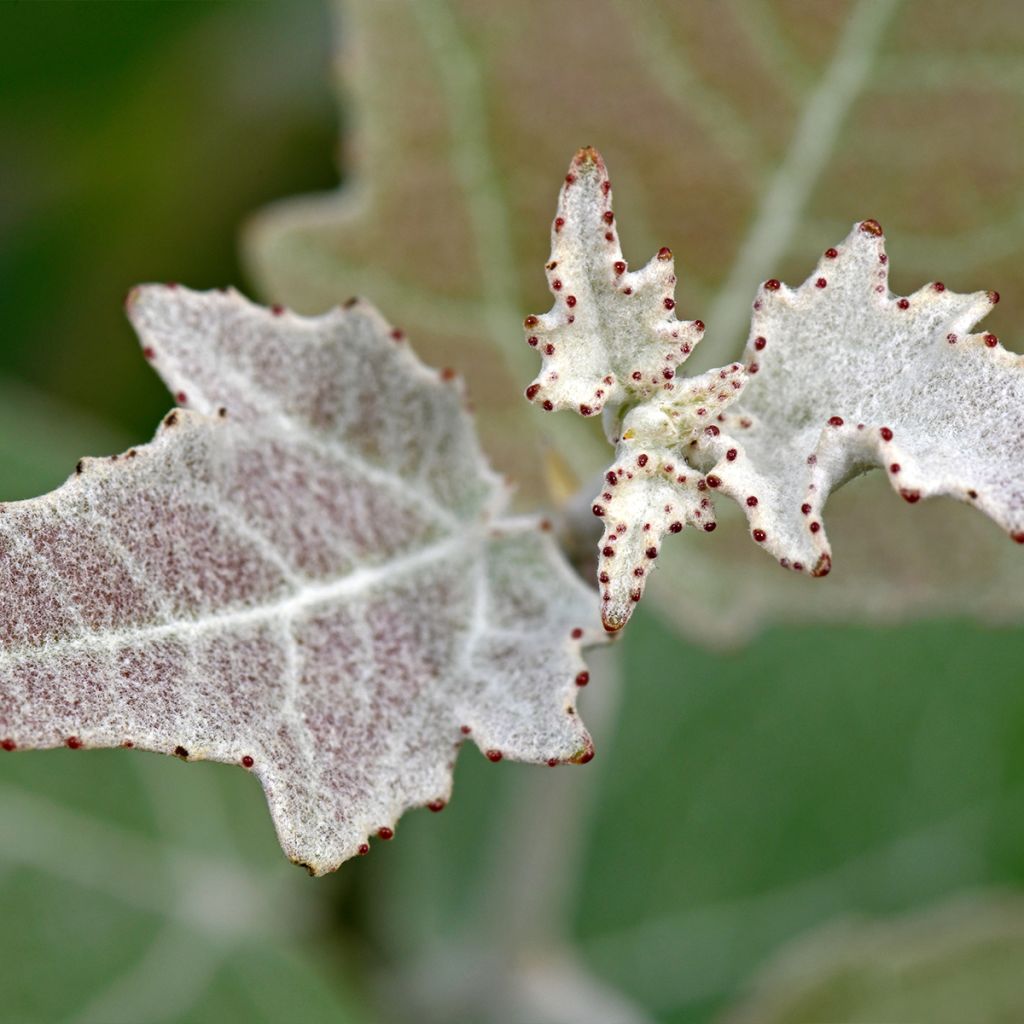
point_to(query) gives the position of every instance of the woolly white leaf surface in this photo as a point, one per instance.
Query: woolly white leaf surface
(301, 574)
(612, 343)
(460, 269)
(846, 376)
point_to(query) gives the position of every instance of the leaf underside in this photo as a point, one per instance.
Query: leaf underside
(303, 573)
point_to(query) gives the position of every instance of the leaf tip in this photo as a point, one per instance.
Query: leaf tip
(823, 566)
(586, 156)
(614, 617)
(132, 297)
(871, 227)
(585, 754)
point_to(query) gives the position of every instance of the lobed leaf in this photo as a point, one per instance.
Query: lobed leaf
(846, 377)
(304, 573)
(612, 336)
(612, 343)
(755, 167)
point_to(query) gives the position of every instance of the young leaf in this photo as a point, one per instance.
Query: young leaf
(612, 343)
(303, 574)
(735, 161)
(847, 376)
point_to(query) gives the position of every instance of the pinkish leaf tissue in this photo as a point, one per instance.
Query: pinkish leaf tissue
(305, 573)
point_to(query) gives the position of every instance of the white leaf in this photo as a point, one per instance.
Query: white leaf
(612, 343)
(845, 377)
(612, 335)
(302, 574)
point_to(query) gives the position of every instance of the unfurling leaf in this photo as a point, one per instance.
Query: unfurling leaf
(752, 174)
(612, 343)
(846, 376)
(303, 574)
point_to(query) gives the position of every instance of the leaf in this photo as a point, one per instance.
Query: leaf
(612, 342)
(956, 961)
(303, 573)
(846, 376)
(752, 169)
(612, 336)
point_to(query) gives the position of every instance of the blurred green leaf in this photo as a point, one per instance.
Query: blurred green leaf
(143, 891)
(817, 773)
(954, 963)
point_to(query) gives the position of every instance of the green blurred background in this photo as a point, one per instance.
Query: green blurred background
(740, 802)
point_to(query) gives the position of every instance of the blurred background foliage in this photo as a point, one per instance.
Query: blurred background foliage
(749, 815)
